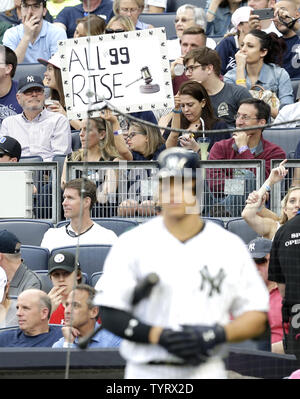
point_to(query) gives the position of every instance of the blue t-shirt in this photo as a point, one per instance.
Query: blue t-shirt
(103, 339)
(291, 59)
(9, 104)
(69, 15)
(17, 338)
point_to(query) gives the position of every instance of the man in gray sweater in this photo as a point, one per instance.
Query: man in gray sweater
(20, 277)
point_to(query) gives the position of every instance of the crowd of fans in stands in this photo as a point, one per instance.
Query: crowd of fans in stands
(213, 82)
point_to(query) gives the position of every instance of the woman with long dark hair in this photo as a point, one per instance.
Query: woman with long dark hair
(193, 111)
(258, 63)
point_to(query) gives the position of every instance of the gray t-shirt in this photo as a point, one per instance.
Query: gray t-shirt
(226, 102)
(23, 279)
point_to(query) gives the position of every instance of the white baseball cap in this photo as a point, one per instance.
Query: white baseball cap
(3, 282)
(242, 14)
(54, 60)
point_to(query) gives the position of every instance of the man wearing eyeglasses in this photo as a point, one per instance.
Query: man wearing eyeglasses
(243, 145)
(34, 37)
(39, 131)
(260, 249)
(67, 18)
(204, 65)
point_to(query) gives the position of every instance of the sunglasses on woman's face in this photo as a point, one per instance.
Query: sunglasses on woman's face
(114, 31)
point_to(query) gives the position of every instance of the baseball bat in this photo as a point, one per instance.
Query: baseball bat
(141, 291)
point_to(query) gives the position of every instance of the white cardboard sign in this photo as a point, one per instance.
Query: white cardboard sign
(130, 70)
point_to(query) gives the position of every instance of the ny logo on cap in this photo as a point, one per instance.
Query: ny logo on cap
(252, 247)
(2, 139)
(30, 79)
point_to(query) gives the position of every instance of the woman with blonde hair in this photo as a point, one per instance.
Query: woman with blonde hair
(263, 221)
(119, 23)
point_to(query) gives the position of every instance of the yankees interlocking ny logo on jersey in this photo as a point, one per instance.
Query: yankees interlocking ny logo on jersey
(214, 282)
(30, 79)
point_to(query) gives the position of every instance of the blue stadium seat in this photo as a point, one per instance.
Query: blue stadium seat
(35, 258)
(29, 69)
(287, 139)
(91, 257)
(28, 231)
(163, 20)
(241, 228)
(118, 225)
(295, 84)
(215, 220)
(173, 5)
(94, 278)
(76, 143)
(47, 283)
(31, 158)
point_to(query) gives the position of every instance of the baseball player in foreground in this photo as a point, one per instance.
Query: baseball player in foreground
(178, 325)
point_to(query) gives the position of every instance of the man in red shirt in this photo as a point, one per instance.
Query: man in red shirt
(244, 145)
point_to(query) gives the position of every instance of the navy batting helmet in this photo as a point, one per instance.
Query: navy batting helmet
(178, 162)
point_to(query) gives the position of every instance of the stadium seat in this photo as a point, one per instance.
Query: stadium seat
(76, 143)
(32, 158)
(215, 220)
(295, 84)
(29, 69)
(173, 5)
(240, 227)
(163, 20)
(94, 278)
(46, 280)
(28, 231)
(35, 258)
(91, 257)
(118, 225)
(287, 139)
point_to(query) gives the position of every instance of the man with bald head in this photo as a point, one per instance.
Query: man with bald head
(33, 312)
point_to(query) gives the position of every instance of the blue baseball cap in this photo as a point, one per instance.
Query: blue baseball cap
(9, 243)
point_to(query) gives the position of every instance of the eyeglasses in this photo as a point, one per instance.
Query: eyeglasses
(131, 135)
(190, 68)
(130, 10)
(114, 31)
(35, 6)
(260, 261)
(37, 90)
(243, 117)
(183, 19)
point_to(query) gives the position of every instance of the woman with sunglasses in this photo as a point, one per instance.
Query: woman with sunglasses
(99, 143)
(145, 143)
(193, 111)
(131, 9)
(119, 23)
(263, 221)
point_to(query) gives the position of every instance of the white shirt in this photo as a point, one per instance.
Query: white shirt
(202, 281)
(97, 235)
(288, 113)
(46, 135)
(6, 5)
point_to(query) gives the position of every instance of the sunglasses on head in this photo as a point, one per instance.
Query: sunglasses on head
(114, 31)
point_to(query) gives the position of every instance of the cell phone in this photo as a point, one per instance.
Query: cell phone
(264, 13)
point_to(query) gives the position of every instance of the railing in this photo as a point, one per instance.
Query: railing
(43, 193)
